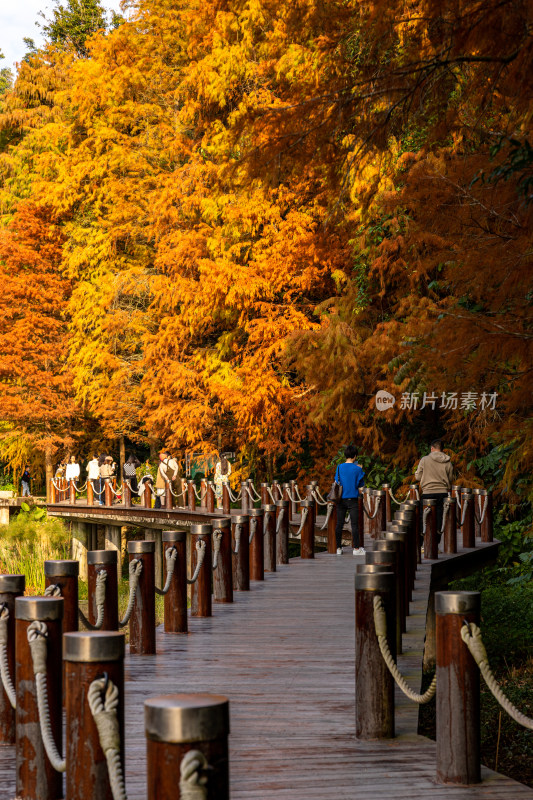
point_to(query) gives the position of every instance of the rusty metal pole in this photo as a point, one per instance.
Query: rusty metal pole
(142, 620)
(210, 498)
(332, 524)
(450, 528)
(467, 515)
(388, 508)
(240, 540)
(374, 685)
(191, 497)
(36, 777)
(175, 602)
(282, 532)
(431, 544)
(184, 727)
(257, 556)
(87, 657)
(11, 587)
(458, 715)
(269, 529)
(307, 541)
(106, 560)
(388, 558)
(226, 504)
(487, 528)
(222, 575)
(201, 588)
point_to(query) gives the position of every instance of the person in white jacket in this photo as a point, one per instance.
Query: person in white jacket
(73, 469)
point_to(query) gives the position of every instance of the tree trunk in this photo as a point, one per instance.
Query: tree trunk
(49, 471)
(122, 458)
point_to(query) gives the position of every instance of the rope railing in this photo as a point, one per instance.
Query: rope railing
(200, 550)
(447, 505)
(103, 700)
(305, 512)
(38, 640)
(269, 490)
(171, 555)
(266, 520)
(471, 636)
(398, 502)
(458, 501)
(328, 515)
(427, 512)
(463, 514)
(4, 661)
(80, 489)
(200, 495)
(238, 531)
(373, 514)
(99, 598)
(119, 491)
(482, 511)
(380, 624)
(297, 493)
(181, 494)
(217, 541)
(130, 487)
(321, 501)
(54, 590)
(279, 520)
(95, 491)
(134, 570)
(194, 771)
(233, 497)
(253, 528)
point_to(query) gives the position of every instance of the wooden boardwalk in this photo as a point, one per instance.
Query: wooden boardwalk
(284, 655)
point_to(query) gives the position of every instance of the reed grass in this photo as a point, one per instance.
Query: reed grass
(26, 543)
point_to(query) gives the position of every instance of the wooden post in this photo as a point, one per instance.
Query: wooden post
(388, 509)
(387, 556)
(191, 496)
(11, 587)
(90, 493)
(52, 491)
(65, 575)
(265, 497)
(360, 520)
(257, 569)
(142, 620)
(36, 778)
(487, 530)
(79, 546)
(175, 602)
(332, 524)
(147, 495)
(450, 526)
(106, 560)
(127, 494)
(226, 504)
(210, 498)
(203, 491)
(222, 575)
(307, 541)
(431, 544)
(88, 656)
(156, 536)
(113, 541)
(269, 528)
(285, 496)
(292, 486)
(108, 493)
(72, 492)
(282, 532)
(456, 494)
(407, 521)
(177, 724)
(467, 516)
(245, 502)
(374, 685)
(400, 535)
(240, 535)
(201, 588)
(458, 719)
(169, 497)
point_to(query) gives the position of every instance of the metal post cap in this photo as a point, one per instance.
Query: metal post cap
(141, 547)
(398, 526)
(95, 646)
(413, 485)
(286, 486)
(396, 536)
(307, 503)
(256, 512)
(57, 568)
(387, 545)
(378, 493)
(380, 557)
(222, 522)
(269, 507)
(201, 529)
(39, 608)
(173, 536)
(12, 583)
(180, 718)
(457, 602)
(102, 557)
(264, 484)
(466, 490)
(429, 501)
(385, 486)
(480, 491)
(371, 569)
(375, 582)
(241, 519)
(313, 483)
(456, 486)
(282, 503)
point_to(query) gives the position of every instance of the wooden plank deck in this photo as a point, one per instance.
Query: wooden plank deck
(284, 653)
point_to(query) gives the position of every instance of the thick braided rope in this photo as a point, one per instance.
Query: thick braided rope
(170, 557)
(266, 520)
(193, 776)
(199, 494)
(217, 541)
(132, 490)
(321, 502)
(482, 511)
(119, 491)
(99, 598)
(320, 499)
(377, 503)
(256, 493)
(269, 490)
(425, 515)
(181, 494)
(54, 590)
(380, 624)
(398, 502)
(200, 550)
(305, 512)
(458, 500)
(105, 716)
(253, 528)
(238, 531)
(4, 661)
(280, 518)
(134, 569)
(328, 515)
(62, 489)
(81, 488)
(95, 491)
(471, 636)
(297, 493)
(447, 505)
(463, 515)
(37, 637)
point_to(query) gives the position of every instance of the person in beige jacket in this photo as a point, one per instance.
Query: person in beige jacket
(435, 474)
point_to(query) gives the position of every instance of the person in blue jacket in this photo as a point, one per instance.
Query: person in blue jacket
(351, 477)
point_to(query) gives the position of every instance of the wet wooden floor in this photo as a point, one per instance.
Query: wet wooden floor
(284, 653)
